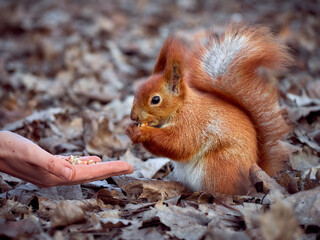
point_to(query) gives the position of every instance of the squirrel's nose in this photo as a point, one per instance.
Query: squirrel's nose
(134, 116)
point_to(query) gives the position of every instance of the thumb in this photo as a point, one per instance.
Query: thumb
(58, 166)
(67, 173)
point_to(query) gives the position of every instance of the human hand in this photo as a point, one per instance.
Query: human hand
(22, 158)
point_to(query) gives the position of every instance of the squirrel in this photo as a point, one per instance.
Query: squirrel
(214, 110)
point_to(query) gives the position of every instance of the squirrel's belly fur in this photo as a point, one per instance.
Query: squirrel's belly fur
(191, 173)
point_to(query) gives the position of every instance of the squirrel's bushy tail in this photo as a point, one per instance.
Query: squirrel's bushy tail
(236, 64)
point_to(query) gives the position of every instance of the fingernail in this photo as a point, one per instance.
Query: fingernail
(67, 173)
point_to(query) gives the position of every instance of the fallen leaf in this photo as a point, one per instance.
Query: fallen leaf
(4, 186)
(313, 89)
(152, 190)
(303, 100)
(98, 137)
(256, 175)
(44, 116)
(304, 137)
(72, 192)
(183, 223)
(22, 229)
(137, 231)
(280, 222)
(91, 89)
(224, 234)
(66, 214)
(303, 159)
(47, 205)
(108, 223)
(306, 206)
(144, 169)
(290, 183)
(12, 210)
(107, 197)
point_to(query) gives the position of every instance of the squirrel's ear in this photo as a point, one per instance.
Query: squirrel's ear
(163, 55)
(174, 78)
(170, 62)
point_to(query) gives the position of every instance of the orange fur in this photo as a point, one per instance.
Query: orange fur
(217, 117)
(253, 92)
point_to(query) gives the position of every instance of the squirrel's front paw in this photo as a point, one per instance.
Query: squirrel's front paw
(133, 132)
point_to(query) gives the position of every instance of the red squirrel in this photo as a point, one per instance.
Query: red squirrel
(213, 110)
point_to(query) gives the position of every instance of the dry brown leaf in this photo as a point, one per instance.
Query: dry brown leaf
(98, 137)
(47, 206)
(139, 231)
(223, 217)
(303, 100)
(108, 223)
(72, 192)
(68, 127)
(109, 213)
(251, 213)
(256, 175)
(161, 190)
(10, 179)
(13, 210)
(142, 233)
(25, 192)
(152, 190)
(47, 116)
(58, 145)
(304, 159)
(144, 169)
(184, 223)
(224, 234)
(21, 229)
(290, 183)
(310, 179)
(280, 222)
(111, 197)
(313, 89)
(91, 89)
(296, 113)
(119, 58)
(305, 138)
(66, 214)
(306, 205)
(4, 186)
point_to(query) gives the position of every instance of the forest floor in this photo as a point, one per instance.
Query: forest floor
(68, 74)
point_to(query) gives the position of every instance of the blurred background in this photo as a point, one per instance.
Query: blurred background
(69, 69)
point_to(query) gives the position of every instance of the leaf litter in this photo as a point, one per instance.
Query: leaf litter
(68, 73)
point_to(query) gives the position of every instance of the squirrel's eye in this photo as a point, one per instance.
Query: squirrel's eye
(155, 100)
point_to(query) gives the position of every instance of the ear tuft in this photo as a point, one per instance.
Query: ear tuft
(163, 55)
(175, 78)
(171, 61)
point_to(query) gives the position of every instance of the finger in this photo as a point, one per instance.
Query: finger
(97, 178)
(85, 173)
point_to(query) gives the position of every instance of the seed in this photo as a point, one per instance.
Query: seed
(76, 160)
